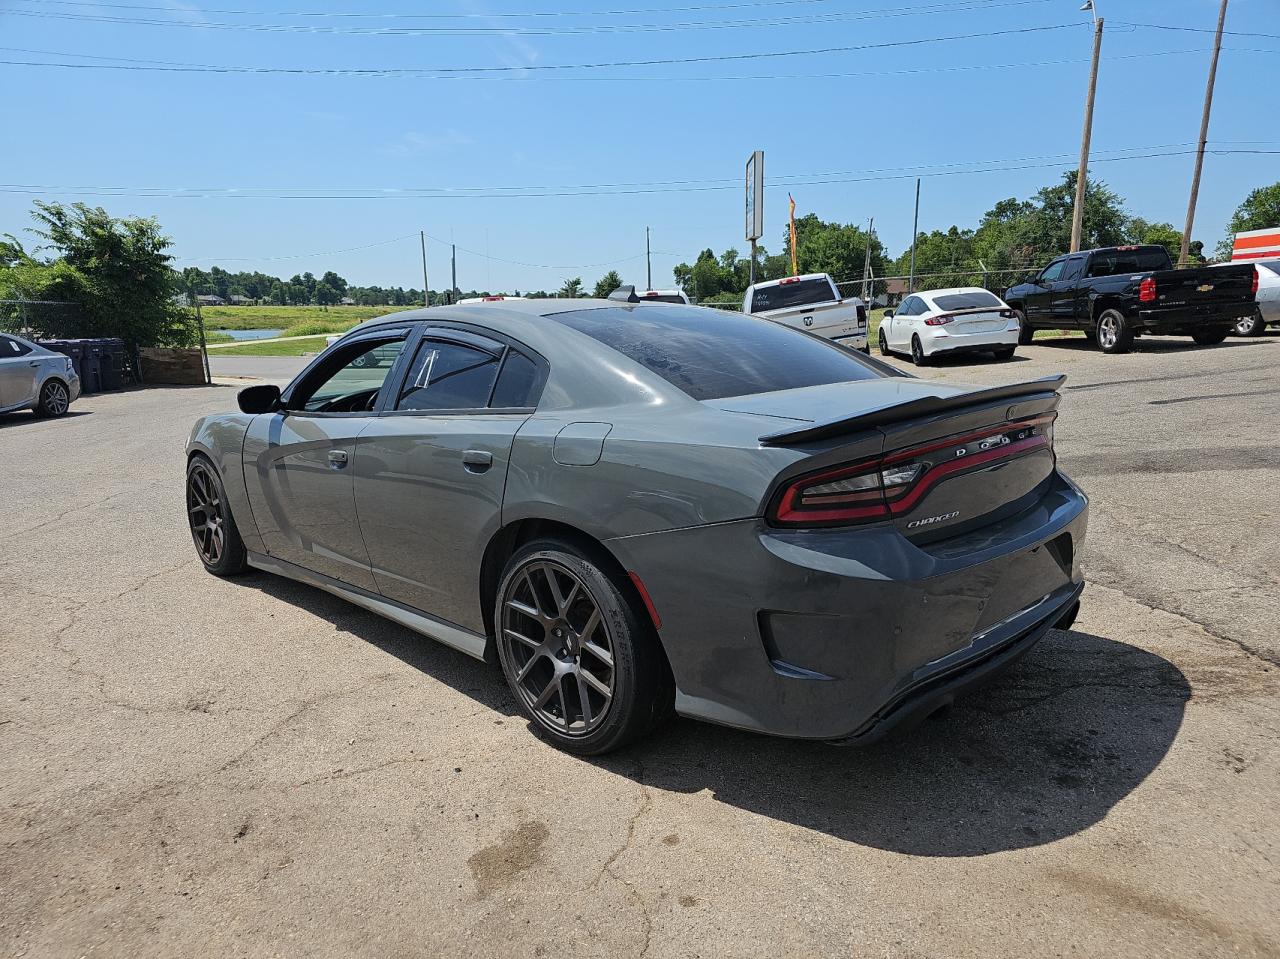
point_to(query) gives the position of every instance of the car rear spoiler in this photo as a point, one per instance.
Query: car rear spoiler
(913, 409)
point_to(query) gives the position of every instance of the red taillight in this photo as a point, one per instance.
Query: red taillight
(1008, 314)
(942, 319)
(891, 485)
(1147, 290)
(1254, 287)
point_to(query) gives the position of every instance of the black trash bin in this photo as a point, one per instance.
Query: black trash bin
(91, 367)
(112, 369)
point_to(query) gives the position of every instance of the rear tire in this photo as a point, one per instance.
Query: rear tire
(1210, 335)
(583, 662)
(1025, 332)
(1114, 334)
(1251, 326)
(55, 400)
(213, 528)
(1004, 353)
(917, 352)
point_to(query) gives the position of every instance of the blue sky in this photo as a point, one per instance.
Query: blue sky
(865, 121)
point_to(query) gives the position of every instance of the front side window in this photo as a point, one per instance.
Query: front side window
(911, 307)
(1053, 272)
(449, 376)
(351, 379)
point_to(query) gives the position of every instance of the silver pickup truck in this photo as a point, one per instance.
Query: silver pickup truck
(811, 303)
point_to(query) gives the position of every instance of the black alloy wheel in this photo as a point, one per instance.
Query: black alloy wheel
(213, 529)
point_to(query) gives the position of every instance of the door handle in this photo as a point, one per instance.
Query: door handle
(476, 461)
(337, 459)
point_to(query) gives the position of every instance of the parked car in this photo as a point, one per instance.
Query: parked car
(663, 296)
(813, 303)
(492, 298)
(965, 319)
(34, 378)
(1117, 293)
(1267, 309)
(640, 509)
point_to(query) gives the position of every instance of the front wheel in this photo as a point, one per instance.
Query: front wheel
(1025, 332)
(213, 529)
(1210, 335)
(1004, 353)
(54, 399)
(1250, 325)
(1114, 334)
(583, 662)
(884, 345)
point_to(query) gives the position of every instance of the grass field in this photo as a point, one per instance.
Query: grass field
(295, 347)
(283, 317)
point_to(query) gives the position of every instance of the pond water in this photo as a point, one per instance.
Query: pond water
(251, 334)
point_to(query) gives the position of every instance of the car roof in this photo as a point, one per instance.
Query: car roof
(955, 289)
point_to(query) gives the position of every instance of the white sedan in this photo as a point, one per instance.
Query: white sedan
(966, 319)
(1268, 297)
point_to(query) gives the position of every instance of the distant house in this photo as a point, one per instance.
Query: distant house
(346, 301)
(238, 300)
(210, 299)
(895, 290)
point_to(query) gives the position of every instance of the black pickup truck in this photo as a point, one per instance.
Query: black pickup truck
(1118, 292)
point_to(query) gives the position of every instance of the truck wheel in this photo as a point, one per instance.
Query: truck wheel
(1210, 335)
(1025, 333)
(1115, 335)
(1250, 325)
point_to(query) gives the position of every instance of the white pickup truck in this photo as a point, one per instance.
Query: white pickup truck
(811, 303)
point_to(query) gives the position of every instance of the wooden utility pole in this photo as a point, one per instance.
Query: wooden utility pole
(426, 297)
(1077, 211)
(1204, 137)
(915, 228)
(648, 262)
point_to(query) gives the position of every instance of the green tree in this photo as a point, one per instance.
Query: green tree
(1161, 234)
(837, 249)
(571, 289)
(1259, 211)
(606, 284)
(116, 270)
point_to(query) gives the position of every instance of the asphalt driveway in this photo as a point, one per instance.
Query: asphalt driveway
(252, 767)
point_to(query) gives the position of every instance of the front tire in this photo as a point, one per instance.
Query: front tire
(1004, 353)
(213, 528)
(1210, 335)
(884, 345)
(584, 664)
(917, 352)
(1114, 334)
(1025, 333)
(54, 401)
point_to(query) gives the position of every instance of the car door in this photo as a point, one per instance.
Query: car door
(298, 463)
(1038, 303)
(18, 371)
(431, 471)
(1064, 291)
(901, 322)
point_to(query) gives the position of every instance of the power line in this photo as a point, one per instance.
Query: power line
(1166, 26)
(546, 67)
(538, 192)
(954, 6)
(861, 74)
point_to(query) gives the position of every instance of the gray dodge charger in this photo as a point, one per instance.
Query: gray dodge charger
(641, 509)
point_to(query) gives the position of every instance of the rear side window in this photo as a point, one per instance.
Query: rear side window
(711, 354)
(790, 293)
(516, 382)
(449, 376)
(11, 347)
(974, 300)
(1119, 262)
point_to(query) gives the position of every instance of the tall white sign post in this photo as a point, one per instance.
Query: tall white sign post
(755, 204)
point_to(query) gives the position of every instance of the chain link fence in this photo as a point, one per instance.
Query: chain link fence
(42, 319)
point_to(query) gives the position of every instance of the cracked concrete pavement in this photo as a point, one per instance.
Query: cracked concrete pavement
(252, 767)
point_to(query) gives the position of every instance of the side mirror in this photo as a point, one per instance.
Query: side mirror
(259, 399)
(888, 313)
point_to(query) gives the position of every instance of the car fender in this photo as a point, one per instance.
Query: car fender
(220, 439)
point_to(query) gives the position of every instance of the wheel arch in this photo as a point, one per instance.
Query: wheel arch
(1102, 303)
(507, 540)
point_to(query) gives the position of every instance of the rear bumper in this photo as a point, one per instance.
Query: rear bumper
(856, 342)
(846, 633)
(1183, 319)
(943, 342)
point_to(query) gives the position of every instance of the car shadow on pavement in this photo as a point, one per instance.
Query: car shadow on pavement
(27, 418)
(1149, 344)
(1044, 752)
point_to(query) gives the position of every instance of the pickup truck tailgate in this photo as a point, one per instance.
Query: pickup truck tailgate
(1204, 286)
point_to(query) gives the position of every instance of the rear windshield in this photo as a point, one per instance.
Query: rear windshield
(1272, 265)
(788, 294)
(967, 301)
(1115, 262)
(712, 354)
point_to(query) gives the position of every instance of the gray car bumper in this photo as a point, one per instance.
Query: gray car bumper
(843, 633)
